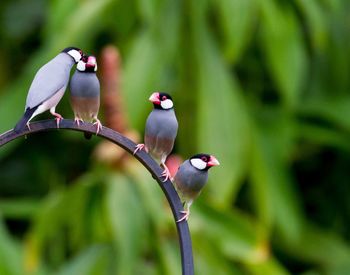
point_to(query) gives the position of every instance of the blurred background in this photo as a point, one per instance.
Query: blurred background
(262, 85)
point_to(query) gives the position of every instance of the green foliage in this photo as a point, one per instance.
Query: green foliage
(262, 85)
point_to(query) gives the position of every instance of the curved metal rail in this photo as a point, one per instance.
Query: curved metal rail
(142, 156)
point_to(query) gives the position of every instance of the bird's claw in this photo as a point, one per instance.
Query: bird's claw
(58, 119)
(78, 120)
(99, 126)
(184, 217)
(139, 147)
(28, 126)
(166, 173)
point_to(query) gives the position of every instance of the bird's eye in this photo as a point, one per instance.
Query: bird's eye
(204, 159)
(163, 97)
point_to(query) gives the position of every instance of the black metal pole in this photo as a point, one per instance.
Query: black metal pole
(142, 156)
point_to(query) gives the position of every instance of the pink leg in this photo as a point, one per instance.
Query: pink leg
(139, 147)
(166, 173)
(99, 125)
(58, 116)
(186, 216)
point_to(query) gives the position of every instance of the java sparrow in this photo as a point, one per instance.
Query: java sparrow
(191, 177)
(161, 130)
(85, 92)
(48, 86)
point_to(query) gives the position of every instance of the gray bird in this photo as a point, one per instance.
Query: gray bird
(48, 86)
(161, 130)
(85, 92)
(191, 177)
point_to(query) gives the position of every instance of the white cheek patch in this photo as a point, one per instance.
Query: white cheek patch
(75, 54)
(81, 66)
(95, 68)
(198, 163)
(167, 104)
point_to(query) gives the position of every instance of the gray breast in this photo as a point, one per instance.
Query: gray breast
(162, 124)
(84, 84)
(189, 181)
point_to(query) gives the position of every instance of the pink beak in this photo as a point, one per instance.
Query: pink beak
(91, 61)
(213, 161)
(154, 98)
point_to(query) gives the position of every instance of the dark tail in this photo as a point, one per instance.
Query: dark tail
(87, 135)
(21, 124)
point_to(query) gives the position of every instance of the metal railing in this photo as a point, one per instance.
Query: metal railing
(146, 160)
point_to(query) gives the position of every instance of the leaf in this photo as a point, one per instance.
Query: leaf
(149, 10)
(233, 234)
(271, 267)
(284, 49)
(321, 136)
(18, 208)
(317, 22)
(320, 247)
(208, 261)
(10, 256)
(169, 256)
(276, 200)
(127, 221)
(76, 31)
(236, 19)
(222, 121)
(144, 63)
(148, 65)
(86, 262)
(335, 109)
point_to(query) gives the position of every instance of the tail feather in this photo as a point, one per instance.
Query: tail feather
(21, 124)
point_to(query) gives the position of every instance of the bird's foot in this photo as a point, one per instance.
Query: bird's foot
(58, 119)
(185, 216)
(99, 125)
(77, 120)
(140, 147)
(28, 126)
(166, 173)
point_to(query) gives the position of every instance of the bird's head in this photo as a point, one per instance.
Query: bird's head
(75, 53)
(87, 64)
(203, 161)
(161, 101)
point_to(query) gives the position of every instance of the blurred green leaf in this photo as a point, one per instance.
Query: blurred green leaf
(271, 266)
(317, 22)
(219, 99)
(10, 254)
(19, 208)
(284, 48)
(128, 231)
(237, 19)
(86, 262)
(169, 256)
(240, 238)
(276, 200)
(144, 61)
(207, 261)
(319, 246)
(333, 109)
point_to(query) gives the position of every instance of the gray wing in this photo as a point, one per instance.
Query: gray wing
(48, 80)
